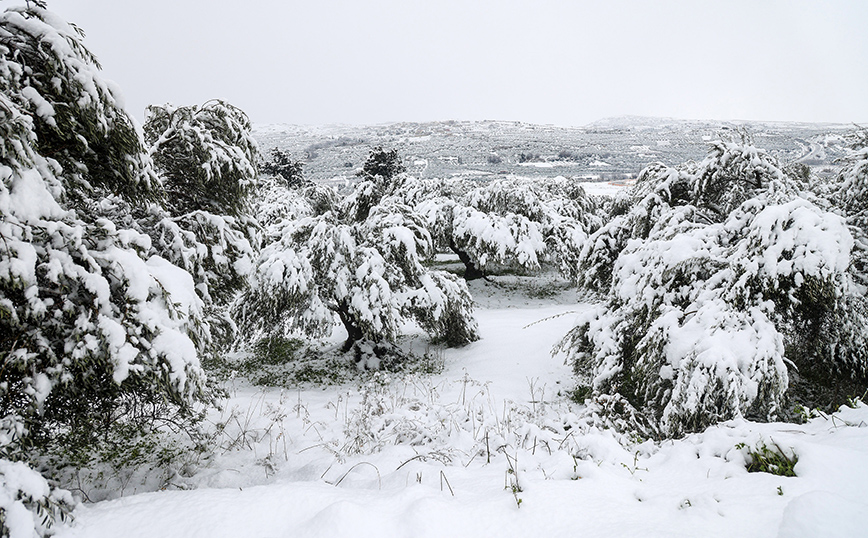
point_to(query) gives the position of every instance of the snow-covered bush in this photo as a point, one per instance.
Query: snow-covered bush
(721, 277)
(414, 190)
(274, 201)
(284, 193)
(731, 173)
(636, 213)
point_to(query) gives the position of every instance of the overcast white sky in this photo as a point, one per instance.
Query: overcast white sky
(543, 61)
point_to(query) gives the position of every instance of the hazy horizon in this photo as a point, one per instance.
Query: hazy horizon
(625, 117)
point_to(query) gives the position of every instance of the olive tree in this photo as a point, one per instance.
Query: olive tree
(96, 330)
(359, 265)
(725, 283)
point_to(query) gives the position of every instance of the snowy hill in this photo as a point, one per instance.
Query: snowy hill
(608, 149)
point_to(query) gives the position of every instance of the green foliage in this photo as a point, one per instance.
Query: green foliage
(206, 155)
(276, 361)
(130, 455)
(50, 74)
(772, 460)
(276, 350)
(580, 393)
(382, 163)
(282, 165)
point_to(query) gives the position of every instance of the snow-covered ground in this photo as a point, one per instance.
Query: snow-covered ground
(491, 446)
(603, 188)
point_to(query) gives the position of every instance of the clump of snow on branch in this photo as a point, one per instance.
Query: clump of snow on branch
(28, 504)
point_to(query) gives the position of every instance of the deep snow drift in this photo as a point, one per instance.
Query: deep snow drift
(492, 447)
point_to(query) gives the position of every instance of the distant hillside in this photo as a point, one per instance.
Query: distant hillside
(612, 148)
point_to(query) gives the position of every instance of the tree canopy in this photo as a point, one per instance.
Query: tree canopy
(359, 263)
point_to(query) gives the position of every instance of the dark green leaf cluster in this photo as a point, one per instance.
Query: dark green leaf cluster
(281, 164)
(50, 74)
(385, 164)
(763, 459)
(205, 154)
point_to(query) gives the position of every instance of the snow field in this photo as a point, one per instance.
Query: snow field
(489, 448)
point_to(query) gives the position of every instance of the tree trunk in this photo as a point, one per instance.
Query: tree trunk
(471, 272)
(354, 333)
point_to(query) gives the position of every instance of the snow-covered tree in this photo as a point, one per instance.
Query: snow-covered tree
(53, 78)
(382, 175)
(853, 194)
(730, 174)
(280, 164)
(94, 330)
(288, 195)
(512, 223)
(385, 164)
(360, 265)
(206, 157)
(414, 190)
(483, 240)
(723, 282)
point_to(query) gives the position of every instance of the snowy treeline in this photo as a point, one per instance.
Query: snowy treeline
(362, 259)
